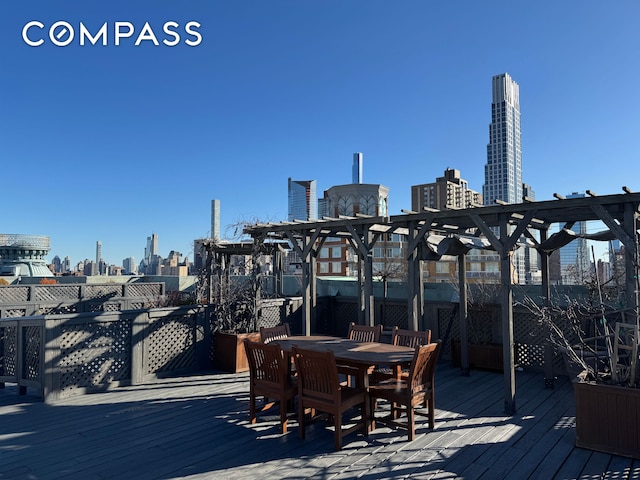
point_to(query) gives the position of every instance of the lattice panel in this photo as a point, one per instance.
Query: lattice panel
(31, 344)
(94, 354)
(8, 351)
(102, 291)
(527, 329)
(394, 315)
(324, 320)
(137, 305)
(345, 314)
(144, 290)
(94, 307)
(271, 315)
(444, 318)
(14, 313)
(58, 310)
(111, 307)
(529, 355)
(482, 327)
(50, 293)
(171, 344)
(14, 295)
(294, 318)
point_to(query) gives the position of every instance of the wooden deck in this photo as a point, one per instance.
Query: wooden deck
(196, 427)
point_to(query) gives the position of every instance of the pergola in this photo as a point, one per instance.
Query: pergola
(499, 227)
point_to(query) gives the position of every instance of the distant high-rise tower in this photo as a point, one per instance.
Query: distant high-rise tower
(215, 219)
(98, 252)
(356, 169)
(503, 170)
(152, 247)
(303, 203)
(575, 264)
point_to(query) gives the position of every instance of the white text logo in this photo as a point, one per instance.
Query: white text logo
(62, 34)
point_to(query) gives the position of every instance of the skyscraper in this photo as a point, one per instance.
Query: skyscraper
(152, 248)
(303, 203)
(98, 252)
(356, 169)
(503, 170)
(215, 219)
(575, 264)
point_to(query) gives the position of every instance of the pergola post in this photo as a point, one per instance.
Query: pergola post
(632, 282)
(369, 305)
(360, 290)
(415, 282)
(362, 242)
(506, 255)
(463, 315)
(546, 293)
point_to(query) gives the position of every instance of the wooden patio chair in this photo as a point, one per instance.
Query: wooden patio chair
(269, 377)
(364, 333)
(410, 338)
(269, 334)
(359, 333)
(319, 389)
(405, 394)
(405, 338)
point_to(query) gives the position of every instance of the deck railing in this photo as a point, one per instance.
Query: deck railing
(74, 353)
(30, 300)
(60, 355)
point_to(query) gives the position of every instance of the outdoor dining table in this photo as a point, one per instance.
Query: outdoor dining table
(361, 356)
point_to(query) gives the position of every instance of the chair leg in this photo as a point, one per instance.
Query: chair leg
(252, 408)
(301, 419)
(432, 412)
(283, 416)
(338, 434)
(411, 424)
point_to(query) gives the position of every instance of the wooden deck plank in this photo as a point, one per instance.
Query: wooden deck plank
(196, 427)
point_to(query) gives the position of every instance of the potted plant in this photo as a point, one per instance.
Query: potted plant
(607, 396)
(234, 300)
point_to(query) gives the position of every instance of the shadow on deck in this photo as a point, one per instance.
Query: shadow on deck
(196, 427)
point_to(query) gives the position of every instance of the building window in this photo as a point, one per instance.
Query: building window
(323, 267)
(336, 267)
(324, 252)
(442, 267)
(336, 252)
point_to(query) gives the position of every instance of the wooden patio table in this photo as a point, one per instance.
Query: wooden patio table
(362, 356)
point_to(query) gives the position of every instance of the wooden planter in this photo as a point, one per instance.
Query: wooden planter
(487, 356)
(229, 351)
(607, 418)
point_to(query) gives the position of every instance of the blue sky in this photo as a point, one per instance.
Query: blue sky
(114, 143)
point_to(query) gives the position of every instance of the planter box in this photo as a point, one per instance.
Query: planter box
(607, 418)
(229, 351)
(487, 356)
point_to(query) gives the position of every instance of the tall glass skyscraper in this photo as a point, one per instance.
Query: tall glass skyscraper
(575, 263)
(503, 171)
(303, 203)
(356, 169)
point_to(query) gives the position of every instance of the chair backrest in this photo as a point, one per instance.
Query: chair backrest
(266, 363)
(317, 376)
(423, 366)
(410, 338)
(269, 334)
(364, 333)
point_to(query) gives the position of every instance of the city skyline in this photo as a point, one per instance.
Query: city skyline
(114, 143)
